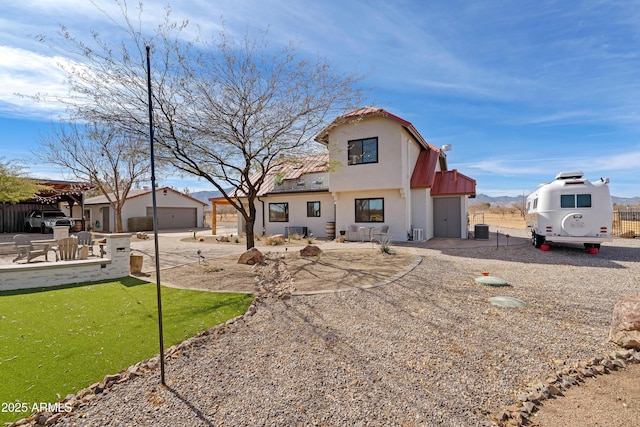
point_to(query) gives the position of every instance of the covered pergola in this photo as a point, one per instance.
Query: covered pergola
(56, 194)
(215, 202)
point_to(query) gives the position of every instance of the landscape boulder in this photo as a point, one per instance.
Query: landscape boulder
(625, 322)
(251, 257)
(310, 250)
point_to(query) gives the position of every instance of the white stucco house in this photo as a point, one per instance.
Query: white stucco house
(377, 171)
(175, 210)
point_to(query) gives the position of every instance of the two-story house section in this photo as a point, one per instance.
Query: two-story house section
(388, 174)
(378, 172)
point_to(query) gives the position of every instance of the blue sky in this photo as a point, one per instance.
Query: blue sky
(521, 90)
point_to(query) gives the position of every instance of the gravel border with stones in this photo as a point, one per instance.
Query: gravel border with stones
(427, 349)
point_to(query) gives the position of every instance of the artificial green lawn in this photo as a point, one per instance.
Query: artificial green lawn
(56, 341)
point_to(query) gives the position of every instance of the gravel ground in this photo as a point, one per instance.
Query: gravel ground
(427, 349)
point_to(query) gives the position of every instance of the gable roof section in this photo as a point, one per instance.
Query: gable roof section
(367, 112)
(453, 183)
(424, 171)
(137, 192)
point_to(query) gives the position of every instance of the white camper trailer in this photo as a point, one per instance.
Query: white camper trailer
(570, 209)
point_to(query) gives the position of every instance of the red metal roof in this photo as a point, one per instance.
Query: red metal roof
(425, 169)
(453, 183)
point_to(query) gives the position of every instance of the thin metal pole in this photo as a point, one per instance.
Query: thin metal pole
(155, 221)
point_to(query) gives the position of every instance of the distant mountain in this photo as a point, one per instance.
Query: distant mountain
(204, 196)
(631, 201)
(503, 201)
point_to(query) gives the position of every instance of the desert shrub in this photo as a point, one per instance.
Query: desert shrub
(385, 246)
(276, 240)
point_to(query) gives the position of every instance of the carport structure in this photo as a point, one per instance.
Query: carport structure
(67, 196)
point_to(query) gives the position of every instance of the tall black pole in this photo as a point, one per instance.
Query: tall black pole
(155, 220)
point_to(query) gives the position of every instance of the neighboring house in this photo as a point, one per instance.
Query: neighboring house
(383, 172)
(175, 210)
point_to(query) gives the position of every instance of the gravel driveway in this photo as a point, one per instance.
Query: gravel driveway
(427, 349)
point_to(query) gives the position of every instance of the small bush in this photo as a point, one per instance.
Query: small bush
(385, 246)
(276, 240)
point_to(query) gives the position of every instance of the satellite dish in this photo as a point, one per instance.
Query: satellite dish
(446, 147)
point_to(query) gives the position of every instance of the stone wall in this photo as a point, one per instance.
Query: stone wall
(115, 264)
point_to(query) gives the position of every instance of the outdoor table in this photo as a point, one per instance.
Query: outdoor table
(365, 231)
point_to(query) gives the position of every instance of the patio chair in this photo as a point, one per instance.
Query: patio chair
(27, 250)
(85, 238)
(353, 233)
(380, 233)
(66, 249)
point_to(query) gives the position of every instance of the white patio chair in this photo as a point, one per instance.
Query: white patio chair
(380, 233)
(353, 233)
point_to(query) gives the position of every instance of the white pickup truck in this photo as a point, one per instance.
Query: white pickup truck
(46, 220)
(570, 209)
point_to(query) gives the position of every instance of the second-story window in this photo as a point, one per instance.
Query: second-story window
(363, 151)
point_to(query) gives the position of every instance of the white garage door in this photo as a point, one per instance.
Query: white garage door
(175, 218)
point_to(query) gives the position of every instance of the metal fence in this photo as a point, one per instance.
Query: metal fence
(626, 223)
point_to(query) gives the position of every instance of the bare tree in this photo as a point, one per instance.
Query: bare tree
(520, 207)
(223, 111)
(111, 160)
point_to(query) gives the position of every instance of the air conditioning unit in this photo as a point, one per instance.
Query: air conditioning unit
(418, 235)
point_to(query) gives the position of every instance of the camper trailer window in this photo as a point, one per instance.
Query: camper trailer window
(584, 201)
(568, 201)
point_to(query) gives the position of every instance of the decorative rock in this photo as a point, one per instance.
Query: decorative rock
(251, 257)
(310, 251)
(52, 419)
(625, 322)
(42, 418)
(554, 390)
(608, 363)
(110, 379)
(619, 364)
(528, 407)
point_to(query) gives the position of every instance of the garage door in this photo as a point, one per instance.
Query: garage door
(175, 218)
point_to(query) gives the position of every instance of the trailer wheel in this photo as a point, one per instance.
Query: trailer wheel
(537, 240)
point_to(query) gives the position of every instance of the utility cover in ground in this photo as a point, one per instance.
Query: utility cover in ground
(491, 281)
(507, 302)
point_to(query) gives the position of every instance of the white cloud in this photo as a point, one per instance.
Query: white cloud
(25, 74)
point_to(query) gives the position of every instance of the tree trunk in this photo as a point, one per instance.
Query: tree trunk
(248, 229)
(250, 220)
(118, 214)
